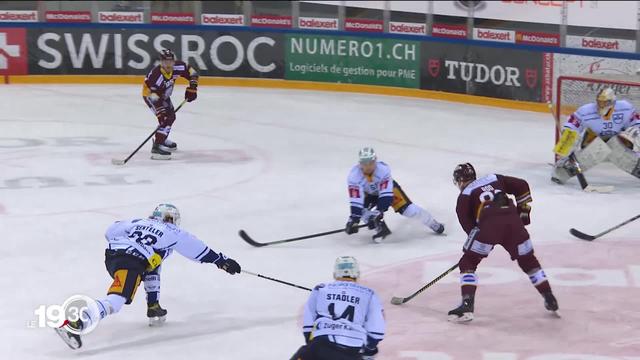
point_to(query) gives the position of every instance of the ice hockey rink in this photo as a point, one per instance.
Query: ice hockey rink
(275, 162)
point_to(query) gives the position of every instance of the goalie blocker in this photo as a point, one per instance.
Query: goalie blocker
(605, 130)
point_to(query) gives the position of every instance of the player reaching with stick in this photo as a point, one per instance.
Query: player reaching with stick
(490, 218)
(134, 249)
(156, 92)
(371, 185)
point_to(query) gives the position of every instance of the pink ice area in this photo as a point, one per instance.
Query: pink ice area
(597, 285)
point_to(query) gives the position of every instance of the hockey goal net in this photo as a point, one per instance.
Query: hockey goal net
(575, 91)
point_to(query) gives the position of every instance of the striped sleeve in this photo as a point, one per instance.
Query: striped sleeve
(518, 188)
(375, 323)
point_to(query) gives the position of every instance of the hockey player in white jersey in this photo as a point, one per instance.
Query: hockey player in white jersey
(607, 129)
(135, 247)
(371, 185)
(343, 320)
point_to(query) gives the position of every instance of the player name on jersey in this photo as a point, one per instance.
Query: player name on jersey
(343, 297)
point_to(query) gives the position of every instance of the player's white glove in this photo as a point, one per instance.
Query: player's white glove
(632, 135)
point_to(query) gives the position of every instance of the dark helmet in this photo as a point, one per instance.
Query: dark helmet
(464, 173)
(166, 54)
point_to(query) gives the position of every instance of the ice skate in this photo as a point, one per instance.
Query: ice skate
(463, 313)
(156, 314)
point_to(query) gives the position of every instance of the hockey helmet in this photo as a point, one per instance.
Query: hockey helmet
(346, 267)
(367, 155)
(605, 100)
(167, 59)
(463, 173)
(166, 213)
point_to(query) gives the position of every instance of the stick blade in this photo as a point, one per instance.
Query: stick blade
(602, 189)
(581, 235)
(243, 234)
(117, 162)
(397, 300)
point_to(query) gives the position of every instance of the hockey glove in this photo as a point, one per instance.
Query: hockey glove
(192, 91)
(525, 213)
(227, 264)
(352, 225)
(154, 261)
(369, 217)
(369, 353)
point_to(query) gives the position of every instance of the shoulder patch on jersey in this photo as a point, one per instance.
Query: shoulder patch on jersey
(574, 120)
(488, 179)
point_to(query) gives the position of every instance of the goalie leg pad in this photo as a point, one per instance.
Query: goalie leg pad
(593, 154)
(623, 157)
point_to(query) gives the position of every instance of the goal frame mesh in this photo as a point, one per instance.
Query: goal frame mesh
(611, 79)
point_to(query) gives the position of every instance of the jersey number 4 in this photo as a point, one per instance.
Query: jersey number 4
(348, 313)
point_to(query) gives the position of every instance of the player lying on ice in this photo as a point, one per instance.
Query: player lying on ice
(607, 129)
(135, 249)
(371, 185)
(490, 218)
(343, 320)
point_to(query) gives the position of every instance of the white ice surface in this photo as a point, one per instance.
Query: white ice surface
(272, 162)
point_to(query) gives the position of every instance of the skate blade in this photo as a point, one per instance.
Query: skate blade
(157, 321)
(465, 318)
(556, 314)
(160, 157)
(72, 342)
(166, 148)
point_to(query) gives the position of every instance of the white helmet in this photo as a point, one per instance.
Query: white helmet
(367, 154)
(346, 267)
(605, 100)
(166, 213)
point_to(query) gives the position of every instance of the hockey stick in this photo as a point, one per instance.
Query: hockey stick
(583, 236)
(276, 280)
(122, 162)
(581, 178)
(243, 234)
(399, 301)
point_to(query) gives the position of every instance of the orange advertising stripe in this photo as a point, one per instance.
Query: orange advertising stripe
(289, 84)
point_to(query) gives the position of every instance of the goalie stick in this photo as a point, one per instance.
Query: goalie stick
(581, 178)
(399, 300)
(276, 280)
(122, 162)
(243, 234)
(587, 237)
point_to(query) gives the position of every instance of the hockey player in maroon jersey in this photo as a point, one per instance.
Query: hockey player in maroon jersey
(490, 218)
(156, 92)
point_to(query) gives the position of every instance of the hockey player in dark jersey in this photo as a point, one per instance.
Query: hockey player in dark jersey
(490, 218)
(156, 92)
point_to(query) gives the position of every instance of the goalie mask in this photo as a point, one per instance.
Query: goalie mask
(166, 213)
(606, 99)
(346, 267)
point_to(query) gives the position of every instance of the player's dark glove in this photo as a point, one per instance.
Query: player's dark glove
(228, 264)
(352, 225)
(192, 91)
(369, 353)
(525, 213)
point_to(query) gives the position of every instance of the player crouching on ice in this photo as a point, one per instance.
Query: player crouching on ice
(490, 218)
(343, 320)
(134, 249)
(607, 129)
(156, 92)
(371, 185)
